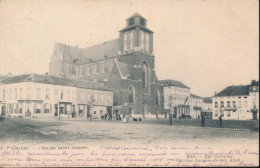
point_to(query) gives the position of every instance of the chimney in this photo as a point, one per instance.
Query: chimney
(215, 93)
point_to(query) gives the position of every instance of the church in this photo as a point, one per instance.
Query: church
(126, 65)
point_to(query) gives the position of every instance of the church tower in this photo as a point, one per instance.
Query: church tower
(136, 36)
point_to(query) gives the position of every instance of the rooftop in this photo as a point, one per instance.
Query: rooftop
(195, 96)
(207, 99)
(234, 91)
(169, 82)
(54, 80)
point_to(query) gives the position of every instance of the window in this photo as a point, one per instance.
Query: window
(10, 93)
(47, 108)
(101, 98)
(254, 105)
(95, 112)
(68, 95)
(228, 103)
(56, 94)
(83, 71)
(28, 93)
(21, 93)
(61, 94)
(106, 67)
(216, 113)
(47, 94)
(234, 103)
(216, 104)
(146, 42)
(126, 42)
(97, 68)
(131, 95)
(81, 96)
(3, 94)
(144, 75)
(228, 113)
(245, 103)
(239, 104)
(132, 40)
(101, 112)
(222, 104)
(73, 70)
(254, 88)
(90, 70)
(38, 108)
(95, 98)
(38, 96)
(74, 96)
(109, 99)
(131, 21)
(15, 93)
(141, 40)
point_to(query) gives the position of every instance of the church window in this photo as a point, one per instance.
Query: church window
(146, 42)
(73, 70)
(97, 68)
(126, 42)
(132, 40)
(144, 75)
(131, 95)
(83, 71)
(106, 67)
(142, 40)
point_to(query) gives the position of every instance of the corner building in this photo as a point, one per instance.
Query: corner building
(126, 65)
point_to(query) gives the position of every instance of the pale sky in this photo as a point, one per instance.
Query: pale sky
(206, 44)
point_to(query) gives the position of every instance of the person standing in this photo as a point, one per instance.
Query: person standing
(220, 121)
(202, 121)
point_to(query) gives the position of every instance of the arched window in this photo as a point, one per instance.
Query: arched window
(144, 75)
(73, 70)
(83, 71)
(131, 94)
(146, 42)
(132, 40)
(142, 40)
(126, 42)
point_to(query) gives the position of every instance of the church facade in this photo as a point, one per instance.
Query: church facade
(126, 65)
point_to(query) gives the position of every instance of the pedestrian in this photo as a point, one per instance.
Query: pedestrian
(202, 121)
(220, 121)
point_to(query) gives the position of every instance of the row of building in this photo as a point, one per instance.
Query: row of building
(114, 78)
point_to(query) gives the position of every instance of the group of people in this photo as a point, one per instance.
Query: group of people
(203, 121)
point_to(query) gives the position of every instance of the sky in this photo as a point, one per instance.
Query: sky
(206, 44)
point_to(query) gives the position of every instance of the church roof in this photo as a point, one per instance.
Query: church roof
(105, 50)
(170, 82)
(54, 80)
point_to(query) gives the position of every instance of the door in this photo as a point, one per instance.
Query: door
(3, 111)
(255, 115)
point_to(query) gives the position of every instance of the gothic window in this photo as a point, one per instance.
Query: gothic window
(106, 66)
(97, 68)
(142, 40)
(131, 95)
(83, 71)
(144, 75)
(132, 40)
(126, 42)
(73, 70)
(146, 42)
